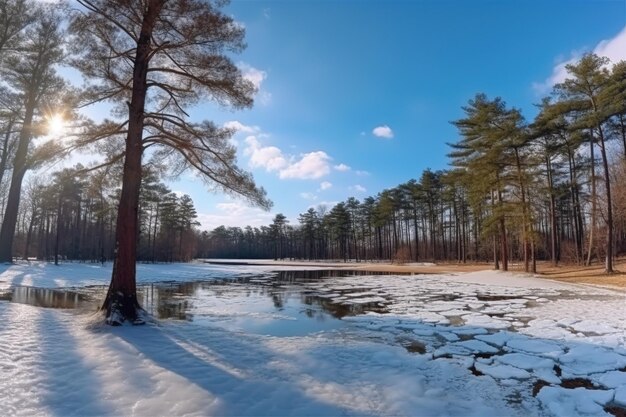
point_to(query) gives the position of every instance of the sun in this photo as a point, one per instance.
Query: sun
(56, 125)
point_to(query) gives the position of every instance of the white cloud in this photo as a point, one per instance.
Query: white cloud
(342, 167)
(358, 188)
(362, 173)
(234, 214)
(313, 165)
(256, 77)
(614, 49)
(237, 126)
(308, 196)
(269, 157)
(325, 185)
(383, 131)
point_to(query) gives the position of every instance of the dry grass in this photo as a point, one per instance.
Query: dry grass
(593, 274)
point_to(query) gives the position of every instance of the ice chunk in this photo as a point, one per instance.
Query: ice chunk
(524, 361)
(589, 359)
(540, 347)
(574, 402)
(449, 350)
(497, 339)
(502, 371)
(611, 379)
(547, 375)
(592, 326)
(477, 346)
(450, 337)
(486, 322)
(464, 330)
(620, 396)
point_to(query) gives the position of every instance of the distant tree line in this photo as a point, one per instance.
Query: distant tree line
(72, 215)
(519, 191)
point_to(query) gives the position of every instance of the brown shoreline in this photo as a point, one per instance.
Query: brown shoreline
(577, 274)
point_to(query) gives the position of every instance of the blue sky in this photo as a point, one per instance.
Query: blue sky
(331, 72)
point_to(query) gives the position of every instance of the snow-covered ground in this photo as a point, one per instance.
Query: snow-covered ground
(466, 345)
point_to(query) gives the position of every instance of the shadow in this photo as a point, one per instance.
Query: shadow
(220, 364)
(70, 387)
(572, 378)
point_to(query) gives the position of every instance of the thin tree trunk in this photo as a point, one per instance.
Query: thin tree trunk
(5, 149)
(593, 201)
(525, 220)
(553, 230)
(503, 237)
(608, 266)
(29, 234)
(58, 229)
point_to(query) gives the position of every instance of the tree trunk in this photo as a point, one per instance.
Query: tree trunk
(5, 149)
(503, 239)
(417, 248)
(29, 234)
(525, 221)
(553, 231)
(593, 201)
(608, 267)
(622, 130)
(121, 300)
(58, 228)
(9, 220)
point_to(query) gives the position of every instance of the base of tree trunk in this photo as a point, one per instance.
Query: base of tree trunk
(120, 308)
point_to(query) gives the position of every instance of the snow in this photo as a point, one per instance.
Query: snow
(575, 402)
(620, 396)
(502, 371)
(233, 356)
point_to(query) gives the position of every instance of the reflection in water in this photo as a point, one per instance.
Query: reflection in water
(284, 293)
(176, 300)
(46, 297)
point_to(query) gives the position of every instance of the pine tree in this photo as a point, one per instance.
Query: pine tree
(154, 59)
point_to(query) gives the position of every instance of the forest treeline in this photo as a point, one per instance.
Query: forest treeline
(550, 189)
(71, 216)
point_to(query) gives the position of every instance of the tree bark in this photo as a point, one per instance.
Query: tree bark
(608, 266)
(5, 149)
(593, 201)
(121, 300)
(9, 220)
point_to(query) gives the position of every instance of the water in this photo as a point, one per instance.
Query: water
(50, 298)
(277, 304)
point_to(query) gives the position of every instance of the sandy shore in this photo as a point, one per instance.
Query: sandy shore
(593, 274)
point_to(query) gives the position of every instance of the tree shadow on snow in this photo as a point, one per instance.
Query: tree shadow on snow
(71, 388)
(222, 365)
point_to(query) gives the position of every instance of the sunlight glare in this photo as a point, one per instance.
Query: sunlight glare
(56, 125)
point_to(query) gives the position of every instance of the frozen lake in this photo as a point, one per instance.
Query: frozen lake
(281, 303)
(252, 341)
